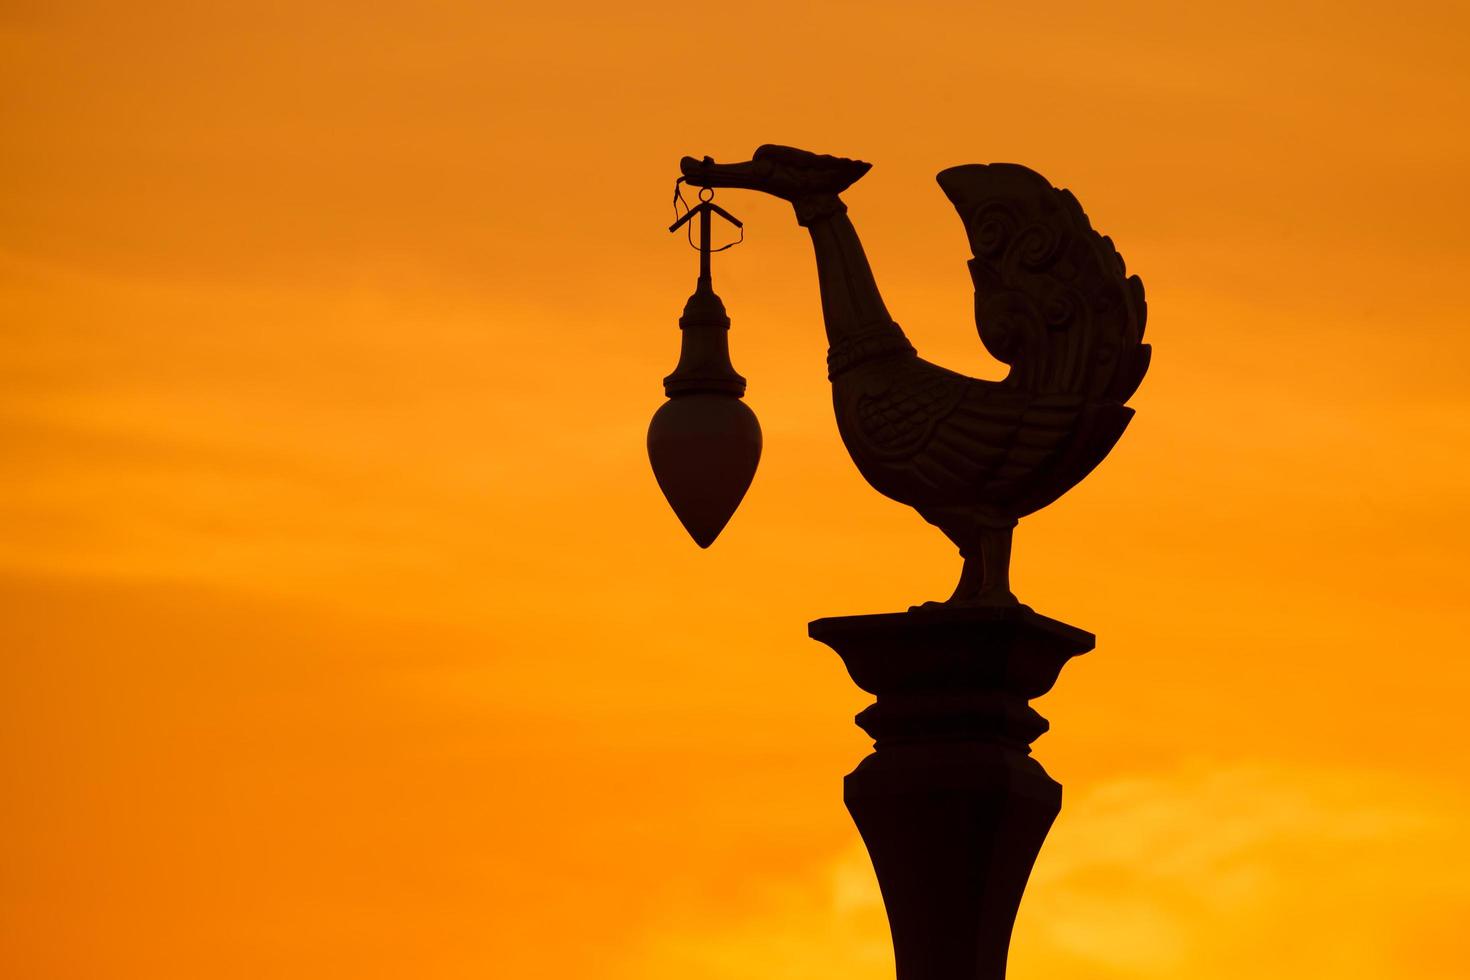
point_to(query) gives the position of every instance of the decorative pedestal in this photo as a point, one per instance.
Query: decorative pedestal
(950, 804)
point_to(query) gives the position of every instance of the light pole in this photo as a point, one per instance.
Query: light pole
(950, 804)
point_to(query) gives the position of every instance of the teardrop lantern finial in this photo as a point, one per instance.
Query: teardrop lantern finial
(704, 442)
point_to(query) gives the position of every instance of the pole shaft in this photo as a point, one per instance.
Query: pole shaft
(704, 242)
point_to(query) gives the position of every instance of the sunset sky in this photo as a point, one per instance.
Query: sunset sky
(344, 632)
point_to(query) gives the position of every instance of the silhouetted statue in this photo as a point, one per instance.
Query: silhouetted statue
(1052, 300)
(951, 805)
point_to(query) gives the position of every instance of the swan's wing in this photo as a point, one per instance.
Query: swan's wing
(962, 439)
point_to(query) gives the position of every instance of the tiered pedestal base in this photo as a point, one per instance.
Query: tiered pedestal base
(950, 804)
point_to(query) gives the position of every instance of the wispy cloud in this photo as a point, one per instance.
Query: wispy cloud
(1267, 869)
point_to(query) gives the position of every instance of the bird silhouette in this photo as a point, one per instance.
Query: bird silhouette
(1052, 299)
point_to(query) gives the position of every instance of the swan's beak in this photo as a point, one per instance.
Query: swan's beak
(706, 173)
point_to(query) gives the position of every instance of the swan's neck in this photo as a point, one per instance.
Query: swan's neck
(859, 328)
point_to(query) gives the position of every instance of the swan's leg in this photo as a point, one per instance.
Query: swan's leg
(995, 560)
(972, 580)
(985, 545)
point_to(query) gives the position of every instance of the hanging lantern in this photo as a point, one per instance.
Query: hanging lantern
(704, 442)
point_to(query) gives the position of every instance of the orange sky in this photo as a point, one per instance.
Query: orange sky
(346, 633)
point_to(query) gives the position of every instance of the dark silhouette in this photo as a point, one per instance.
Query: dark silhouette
(950, 804)
(1051, 300)
(704, 442)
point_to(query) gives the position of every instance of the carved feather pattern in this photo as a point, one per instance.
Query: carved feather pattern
(1053, 301)
(899, 420)
(1052, 297)
(932, 434)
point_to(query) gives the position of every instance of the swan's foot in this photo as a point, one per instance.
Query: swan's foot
(996, 599)
(985, 581)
